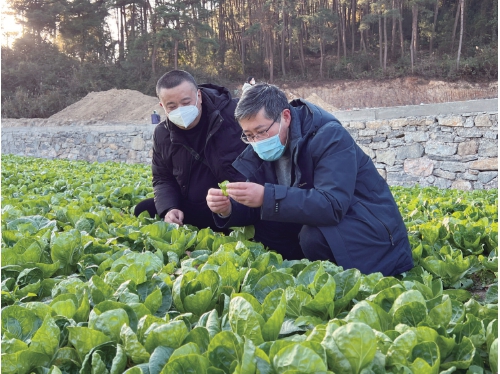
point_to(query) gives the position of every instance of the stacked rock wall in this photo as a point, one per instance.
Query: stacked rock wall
(456, 151)
(90, 142)
(408, 146)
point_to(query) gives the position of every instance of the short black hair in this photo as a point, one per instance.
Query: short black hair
(263, 95)
(173, 78)
(249, 79)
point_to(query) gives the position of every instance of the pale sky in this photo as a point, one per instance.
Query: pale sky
(10, 29)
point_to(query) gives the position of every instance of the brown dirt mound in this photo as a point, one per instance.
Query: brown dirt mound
(126, 106)
(315, 99)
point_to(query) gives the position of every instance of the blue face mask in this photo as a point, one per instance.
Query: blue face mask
(269, 149)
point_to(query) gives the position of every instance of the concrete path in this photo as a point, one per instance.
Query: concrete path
(457, 107)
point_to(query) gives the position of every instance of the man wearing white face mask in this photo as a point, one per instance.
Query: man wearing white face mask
(303, 168)
(193, 149)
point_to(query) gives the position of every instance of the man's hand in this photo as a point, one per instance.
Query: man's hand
(218, 203)
(246, 193)
(174, 216)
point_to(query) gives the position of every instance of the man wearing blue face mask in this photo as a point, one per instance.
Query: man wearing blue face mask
(193, 149)
(303, 168)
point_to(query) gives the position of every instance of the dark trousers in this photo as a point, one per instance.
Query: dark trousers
(293, 241)
(194, 214)
(314, 245)
(149, 205)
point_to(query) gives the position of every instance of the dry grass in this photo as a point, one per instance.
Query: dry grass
(406, 91)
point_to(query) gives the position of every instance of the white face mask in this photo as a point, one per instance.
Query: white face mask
(183, 116)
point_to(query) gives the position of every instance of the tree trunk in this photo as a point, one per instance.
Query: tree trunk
(322, 56)
(222, 36)
(401, 38)
(126, 39)
(344, 41)
(380, 40)
(455, 25)
(153, 59)
(283, 38)
(271, 57)
(339, 28)
(243, 51)
(132, 23)
(385, 43)
(343, 23)
(414, 28)
(145, 16)
(195, 53)
(436, 9)
(353, 24)
(414, 24)
(462, 7)
(301, 51)
(153, 41)
(393, 34)
(347, 21)
(121, 46)
(362, 41)
(176, 52)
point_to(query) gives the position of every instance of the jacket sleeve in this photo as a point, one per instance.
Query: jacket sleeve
(333, 154)
(166, 189)
(241, 215)
(228, 146)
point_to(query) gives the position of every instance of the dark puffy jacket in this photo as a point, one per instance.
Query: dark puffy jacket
(172, 158)
(337, 189)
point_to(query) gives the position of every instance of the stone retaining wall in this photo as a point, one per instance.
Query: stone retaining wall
(457, 151)
(445, 150)
(95, 142)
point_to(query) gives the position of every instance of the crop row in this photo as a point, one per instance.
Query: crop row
(89, 288)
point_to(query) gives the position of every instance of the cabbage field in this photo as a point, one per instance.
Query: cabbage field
(89, 288)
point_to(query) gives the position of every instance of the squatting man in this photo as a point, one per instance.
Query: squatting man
(302, 167)
(193, 151)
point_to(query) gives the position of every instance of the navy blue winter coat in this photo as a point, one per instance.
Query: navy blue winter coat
(336, 188)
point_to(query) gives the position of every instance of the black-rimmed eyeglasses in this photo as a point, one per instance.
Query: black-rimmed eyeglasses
(261, 135)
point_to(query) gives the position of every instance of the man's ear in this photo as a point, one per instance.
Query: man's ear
(287, 116)
(161, 104)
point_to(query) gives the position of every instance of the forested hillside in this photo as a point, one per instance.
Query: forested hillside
(70, 48)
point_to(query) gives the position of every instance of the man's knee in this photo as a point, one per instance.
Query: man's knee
(146, 205)
(314, 244)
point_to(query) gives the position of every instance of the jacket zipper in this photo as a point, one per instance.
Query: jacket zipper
(387, 229)
(210, 133)
(195, 154)
(189, 178)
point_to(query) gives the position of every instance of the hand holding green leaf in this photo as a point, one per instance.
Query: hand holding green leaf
(222, 186)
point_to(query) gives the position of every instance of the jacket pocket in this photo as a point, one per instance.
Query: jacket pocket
(389, 233)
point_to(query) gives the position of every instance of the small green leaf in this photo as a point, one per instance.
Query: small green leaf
(133, 348)
(245, 321)
(222, 186)
(84, 339)
(153, 301)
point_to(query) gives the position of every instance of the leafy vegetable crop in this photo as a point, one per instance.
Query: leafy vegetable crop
(89, 288)
(222, 186)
